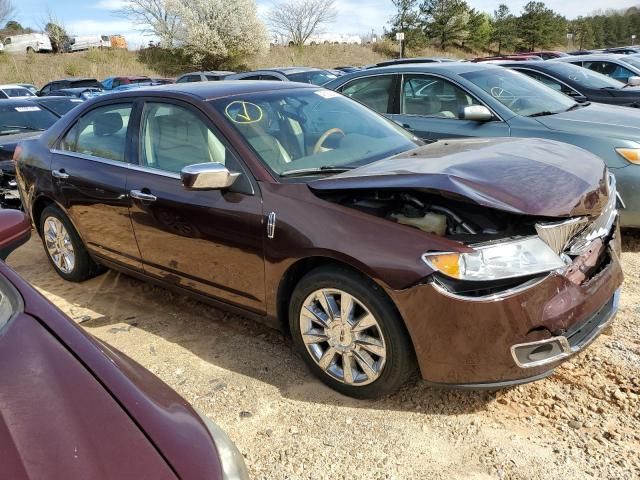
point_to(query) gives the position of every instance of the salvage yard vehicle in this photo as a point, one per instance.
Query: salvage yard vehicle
(314, 76)
(449, 100)
(27, 43)
(14, 91)
(68, 83)
(85, 42)
(110, 83)
(580, 83)
(210, 76)
(487, 261)
(19, 120)
(623, 68)
(66, 395)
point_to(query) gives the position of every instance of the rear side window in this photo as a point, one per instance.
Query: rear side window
(375, 92)
(100, 133)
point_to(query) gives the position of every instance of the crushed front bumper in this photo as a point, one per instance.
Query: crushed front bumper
(514, 337)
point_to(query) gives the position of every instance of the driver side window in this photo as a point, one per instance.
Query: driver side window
(173, 137)
(433, 97)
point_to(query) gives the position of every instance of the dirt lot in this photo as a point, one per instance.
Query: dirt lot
(581, 422)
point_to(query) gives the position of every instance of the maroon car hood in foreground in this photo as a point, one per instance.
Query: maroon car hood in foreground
(72, 407)
(547, 178)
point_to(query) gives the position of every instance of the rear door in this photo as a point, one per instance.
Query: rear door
(431, 107)
(211, 241)
(89, 169)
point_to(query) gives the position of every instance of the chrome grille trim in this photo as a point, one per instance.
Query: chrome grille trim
(557, 235)
(574, 236)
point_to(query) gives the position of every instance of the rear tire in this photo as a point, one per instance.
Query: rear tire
(63, 246)
(350, 334)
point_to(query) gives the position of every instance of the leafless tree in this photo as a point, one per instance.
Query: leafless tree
(153, 17)
(298, 20)
(6, 10)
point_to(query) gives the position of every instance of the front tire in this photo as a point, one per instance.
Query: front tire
(63, 246)
(350, 334)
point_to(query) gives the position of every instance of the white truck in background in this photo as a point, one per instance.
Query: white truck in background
(85, 42)
(28, 42)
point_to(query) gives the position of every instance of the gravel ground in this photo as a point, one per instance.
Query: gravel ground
(581, 422)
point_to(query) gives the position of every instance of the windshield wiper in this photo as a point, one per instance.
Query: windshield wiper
(576, 105)
(542, 114)
(315, 170)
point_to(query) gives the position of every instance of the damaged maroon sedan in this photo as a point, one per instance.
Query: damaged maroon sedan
(486, 262)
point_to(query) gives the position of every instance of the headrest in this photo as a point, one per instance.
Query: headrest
(107, 124)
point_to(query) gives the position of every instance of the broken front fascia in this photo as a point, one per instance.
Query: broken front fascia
(571, 247)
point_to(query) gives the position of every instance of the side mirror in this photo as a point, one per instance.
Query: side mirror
(477, 113)
(15, 230)
(207, 176)
(633, 82)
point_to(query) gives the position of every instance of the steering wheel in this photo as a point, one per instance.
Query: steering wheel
(323, 138)
(503, 95)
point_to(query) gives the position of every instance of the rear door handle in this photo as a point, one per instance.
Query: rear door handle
(59, 174)
(145, 197)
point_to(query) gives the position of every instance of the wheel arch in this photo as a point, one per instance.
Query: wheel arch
(38, 207)
(296, 271)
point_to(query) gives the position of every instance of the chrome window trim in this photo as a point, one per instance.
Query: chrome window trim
(129, 166)
(92, 158)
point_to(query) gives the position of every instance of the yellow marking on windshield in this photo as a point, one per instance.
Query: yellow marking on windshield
(244, 112)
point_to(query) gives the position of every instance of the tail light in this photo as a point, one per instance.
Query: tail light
(16, 153)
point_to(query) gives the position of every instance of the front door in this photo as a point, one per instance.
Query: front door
(431, 108)
(89, 170)
(207, 241)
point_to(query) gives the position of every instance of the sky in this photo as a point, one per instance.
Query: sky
(354, 16)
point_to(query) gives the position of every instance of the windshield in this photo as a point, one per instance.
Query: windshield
(315, 77)
(519, 93)
(631, 60)
(302, 129)
(17, 92)
(24, 118)
(61, 105)
(583, 76)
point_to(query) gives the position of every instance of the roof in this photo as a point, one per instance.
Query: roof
(594, 56)
(449, 67)
(214, 90)
(12, 85)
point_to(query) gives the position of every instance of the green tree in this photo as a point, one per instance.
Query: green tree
(407, 20)
(445, 21)
(540, 27)
(479, 30)
(504, 28)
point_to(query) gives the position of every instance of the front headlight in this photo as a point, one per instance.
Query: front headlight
(231, 460)
(511, 259)
(630, 154)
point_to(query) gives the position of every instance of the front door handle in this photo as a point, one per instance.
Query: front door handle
(59, 174)
(145, 197)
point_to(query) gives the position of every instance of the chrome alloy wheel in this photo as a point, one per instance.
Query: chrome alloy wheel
(59, 245)
(343, 337)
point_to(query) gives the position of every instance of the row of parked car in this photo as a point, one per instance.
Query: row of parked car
(455, 218)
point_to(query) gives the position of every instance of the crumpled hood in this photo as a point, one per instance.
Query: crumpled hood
(597, 119)
(525, 176)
